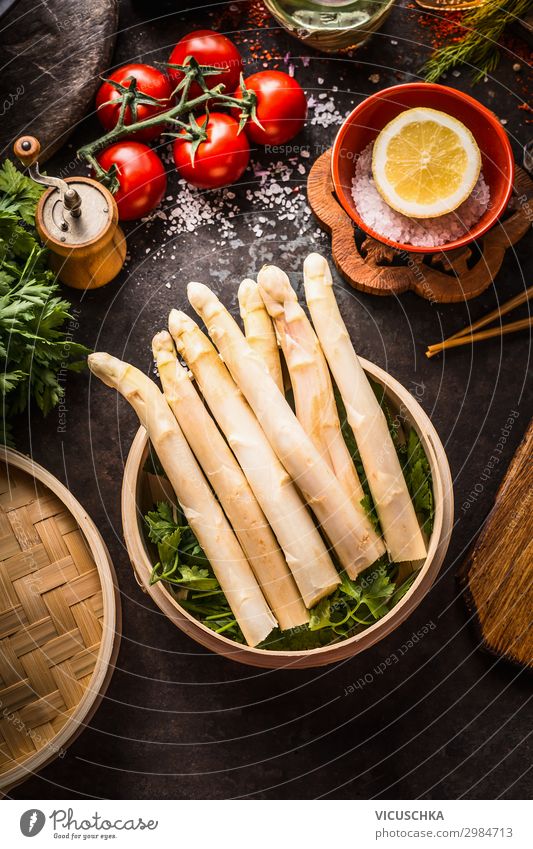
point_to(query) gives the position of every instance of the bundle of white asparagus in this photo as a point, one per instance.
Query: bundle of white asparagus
(247, 471)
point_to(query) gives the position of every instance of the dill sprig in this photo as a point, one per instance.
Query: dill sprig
(479, 48)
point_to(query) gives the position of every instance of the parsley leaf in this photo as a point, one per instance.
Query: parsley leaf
(183, 566)
(181, 559)
(36, 350)
(418, 476)
(403, 588)
(20, 194)
(377, 590)
(160, 522)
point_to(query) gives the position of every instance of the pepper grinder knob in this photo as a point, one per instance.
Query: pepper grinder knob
(27, 149)
(77, 219)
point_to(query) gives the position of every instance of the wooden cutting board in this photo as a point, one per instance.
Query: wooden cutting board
(498, 573)
(51, 55)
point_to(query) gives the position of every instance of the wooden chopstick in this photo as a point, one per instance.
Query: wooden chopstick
(456, 341)
(501, 310)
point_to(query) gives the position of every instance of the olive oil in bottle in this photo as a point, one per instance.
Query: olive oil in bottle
(331, 25)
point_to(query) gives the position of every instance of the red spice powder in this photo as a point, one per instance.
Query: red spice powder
(244, 20)
(440, 30)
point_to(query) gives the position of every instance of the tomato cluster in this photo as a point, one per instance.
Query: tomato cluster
(268, 107)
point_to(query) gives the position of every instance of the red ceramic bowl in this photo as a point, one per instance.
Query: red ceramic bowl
(369, 118)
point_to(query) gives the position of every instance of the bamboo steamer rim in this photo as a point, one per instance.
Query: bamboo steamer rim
(132, 518)
(111, 626)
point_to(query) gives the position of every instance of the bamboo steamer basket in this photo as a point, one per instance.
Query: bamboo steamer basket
(59, 618)
(141, 489)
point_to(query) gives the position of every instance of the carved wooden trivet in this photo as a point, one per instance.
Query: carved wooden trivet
(445, 277)
(498, 572)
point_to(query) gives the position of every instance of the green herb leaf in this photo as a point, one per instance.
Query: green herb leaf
(350, 588)
(19, 192)
(181, 559)
(196, 578)
(404, 588)
(320, 615)
(418, 476)
(168, 548)
(36, 349)
(482, 29)
(378, 589)
(160, 522)
(183, 566)
(370, 509)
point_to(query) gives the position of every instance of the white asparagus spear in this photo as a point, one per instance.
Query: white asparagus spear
(259, 330)
(310, 379)
(281, 503)
(231, 487)
(199, 505)
(397, 516)
(342, 524)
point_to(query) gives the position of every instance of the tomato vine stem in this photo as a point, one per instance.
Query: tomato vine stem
(170, 118)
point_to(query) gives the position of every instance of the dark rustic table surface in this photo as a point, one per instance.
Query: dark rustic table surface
(446, 720)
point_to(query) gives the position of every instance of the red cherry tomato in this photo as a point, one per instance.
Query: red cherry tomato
(141, 175)
(149, 81)
(220, 159)
(208, 48)
(281, 107)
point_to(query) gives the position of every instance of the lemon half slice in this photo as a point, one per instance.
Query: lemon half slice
(425, 163)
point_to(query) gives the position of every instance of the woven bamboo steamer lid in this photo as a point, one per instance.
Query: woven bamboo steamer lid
(59, 618)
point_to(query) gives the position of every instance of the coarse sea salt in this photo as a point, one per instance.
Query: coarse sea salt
(420, 232)
(273, 193)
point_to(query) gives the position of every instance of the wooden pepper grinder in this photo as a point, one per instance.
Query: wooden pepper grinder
(77, 218)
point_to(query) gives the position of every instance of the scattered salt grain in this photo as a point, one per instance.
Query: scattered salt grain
(272, 190)
(374, 78)
(421, 232)
(324, 113)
